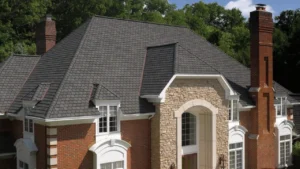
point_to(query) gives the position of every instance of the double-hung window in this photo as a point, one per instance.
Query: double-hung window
(281, 108)
(28, 125)
(236, 156)
(233, 110)
(23, 165)
(188, 129)
(108, 122)
(285, 149)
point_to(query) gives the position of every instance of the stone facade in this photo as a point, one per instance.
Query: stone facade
(164, 131)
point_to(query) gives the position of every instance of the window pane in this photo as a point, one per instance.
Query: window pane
(26, 166)
(239, 159)
(113, 110)
(119, 164)
(188, 129)
(30, 126)
(287, 152)
(232, 160)
(282, 153)
(103, 111)
(106, 166)
(103, 124)
(229, 110)
(113, 124)
(278, 109)
(235, 110)
(26, 124)
(21, 164)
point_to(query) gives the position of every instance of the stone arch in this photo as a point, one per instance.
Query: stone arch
(204, 105)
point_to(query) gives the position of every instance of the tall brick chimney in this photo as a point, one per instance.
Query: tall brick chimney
(45, 35)
(261, 138)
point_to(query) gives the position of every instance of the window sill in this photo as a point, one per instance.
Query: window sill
(191, 149)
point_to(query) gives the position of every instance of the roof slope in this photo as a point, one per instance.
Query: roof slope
(13, 74)
(119, 55)
(52, 69)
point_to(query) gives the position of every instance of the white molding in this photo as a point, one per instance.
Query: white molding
(126, 117)
(236, 135)
(52, 151)
(52, 161)
(51, 141)
(178, 113)
(253, 136)
(161, 97)
(52, 131)
(254, 89)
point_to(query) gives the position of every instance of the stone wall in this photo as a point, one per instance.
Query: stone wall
(163, 131)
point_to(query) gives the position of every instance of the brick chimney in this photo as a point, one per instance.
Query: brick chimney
(45, 35)
(261, 134)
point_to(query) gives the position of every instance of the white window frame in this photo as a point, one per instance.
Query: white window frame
(280, 106)
(27, 120)
(230, 109)
(237, 135)
(22, 167)
(286, 141)
(235, 154)
(191, 149)
(112, 167)
(108, 104)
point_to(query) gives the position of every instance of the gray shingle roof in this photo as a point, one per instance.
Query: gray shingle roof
(13, 74)
(118, 55)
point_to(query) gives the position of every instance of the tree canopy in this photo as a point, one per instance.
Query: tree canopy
(227, 29)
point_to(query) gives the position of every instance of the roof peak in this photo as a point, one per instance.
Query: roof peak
(131, 20)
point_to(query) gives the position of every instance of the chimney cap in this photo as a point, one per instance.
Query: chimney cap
(261, 7)
(48, 17)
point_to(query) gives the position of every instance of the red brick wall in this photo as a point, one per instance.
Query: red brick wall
(17, 129)
(5, 125)
(137, 133)
(8, 163)
(40, 141)
(73, 143)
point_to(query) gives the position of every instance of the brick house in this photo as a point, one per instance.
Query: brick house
(135, 95)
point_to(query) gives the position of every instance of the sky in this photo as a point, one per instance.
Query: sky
(246, 6)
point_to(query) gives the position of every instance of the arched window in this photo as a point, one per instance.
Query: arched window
(110, 154)
(188, 129)
(236, 147)
(284, 143)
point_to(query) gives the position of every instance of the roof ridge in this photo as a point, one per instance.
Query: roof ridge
(139, 21)
(199, 58)
(54, 102)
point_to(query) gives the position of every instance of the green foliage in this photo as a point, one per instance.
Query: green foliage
(296, 149)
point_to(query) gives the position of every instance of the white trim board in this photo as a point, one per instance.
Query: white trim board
(229, 92)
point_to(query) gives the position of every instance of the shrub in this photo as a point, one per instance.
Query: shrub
(296, 149)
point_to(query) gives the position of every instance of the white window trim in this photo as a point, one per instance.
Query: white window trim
(239, 131)
(111, 145)
(281, 105)
(231, 110)
(284, 128)
(285, 141)
(192, 149)
(235, 150)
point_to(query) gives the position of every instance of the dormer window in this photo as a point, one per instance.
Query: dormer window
(108, 121)
(233, 110)
(281, 107)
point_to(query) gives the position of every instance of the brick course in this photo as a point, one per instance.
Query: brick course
(40, 141)
(137, 133)
(73, 143)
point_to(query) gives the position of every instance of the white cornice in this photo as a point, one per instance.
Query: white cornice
(161, 97)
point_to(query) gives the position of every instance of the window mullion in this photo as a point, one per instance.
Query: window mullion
(231, 109)
(108, 117)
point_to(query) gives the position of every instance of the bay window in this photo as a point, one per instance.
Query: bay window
(108, 121)
(233, 110)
